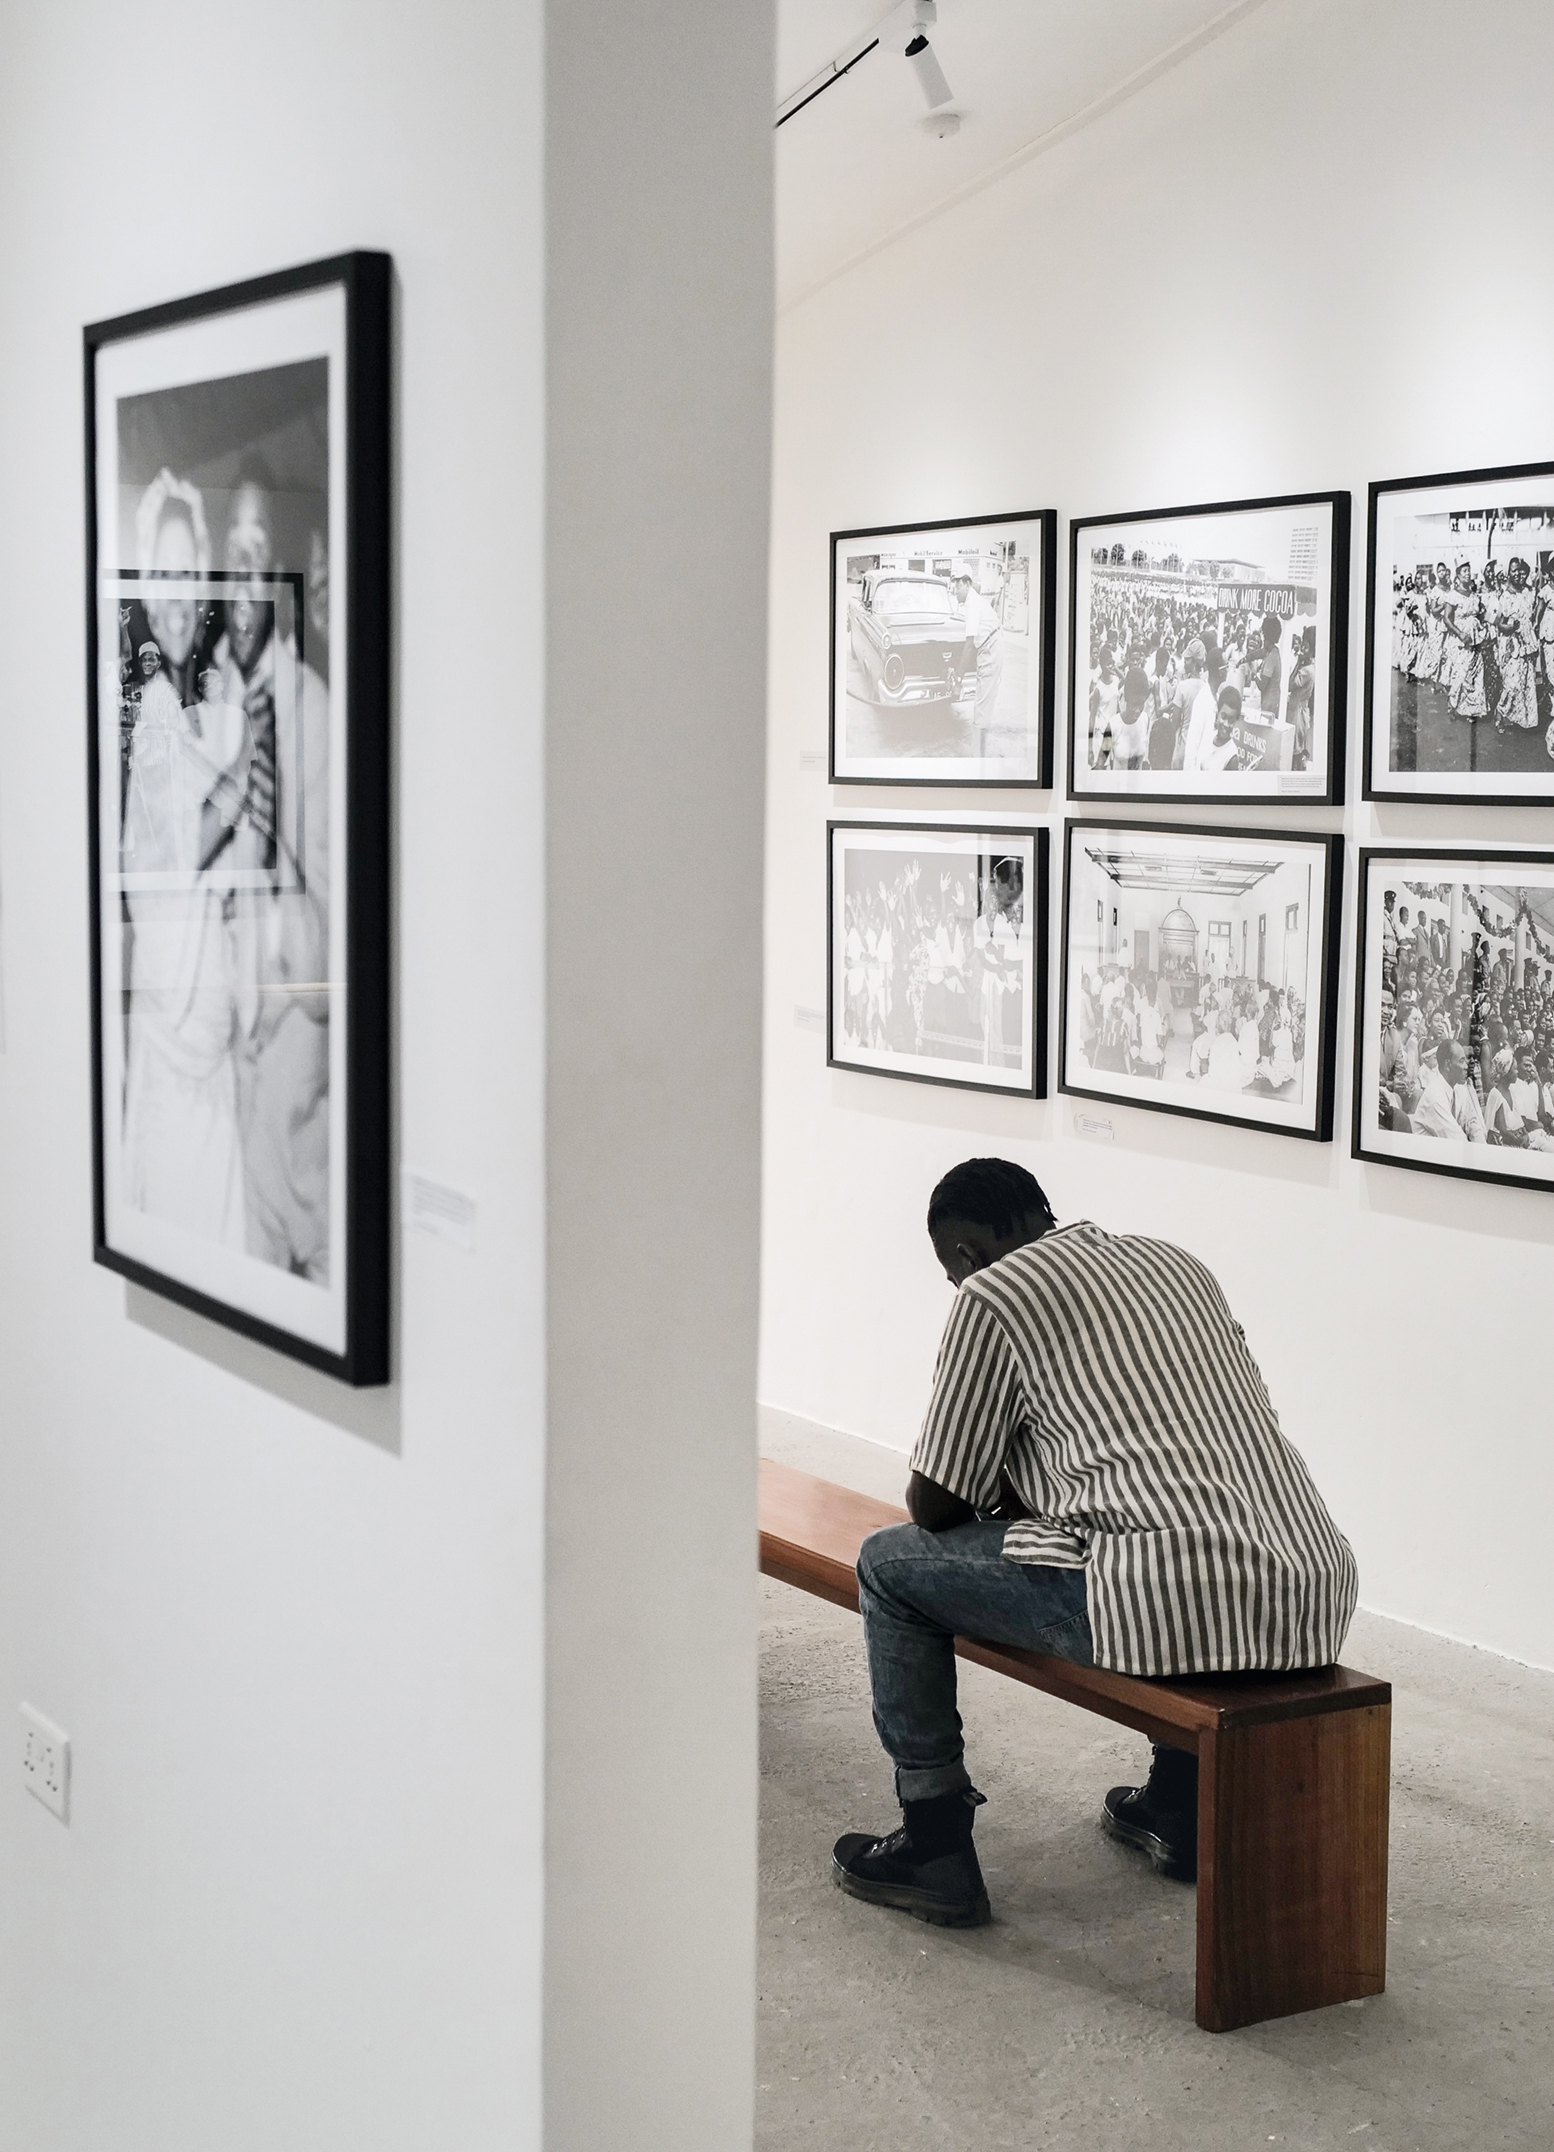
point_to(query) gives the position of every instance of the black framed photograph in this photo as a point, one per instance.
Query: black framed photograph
(237, 460)
(941, 652)
(937, 965)
(1208, 652)
(1454, 1013)
(1200, 969)
(1459, 642)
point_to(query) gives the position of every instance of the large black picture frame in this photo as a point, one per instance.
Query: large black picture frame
(1415, 1153)
(307, 1274)
(989, 841)
(1041, 659)
(1513, 475)
(1329, 848)
(1335, 672)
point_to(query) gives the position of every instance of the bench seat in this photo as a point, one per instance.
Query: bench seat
(1293, 1779)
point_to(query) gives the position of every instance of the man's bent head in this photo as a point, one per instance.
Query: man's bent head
(984, 1210)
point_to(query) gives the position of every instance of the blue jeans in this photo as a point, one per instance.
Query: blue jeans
(918, 1591)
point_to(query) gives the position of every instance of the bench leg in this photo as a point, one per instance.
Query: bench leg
(1292, 1865)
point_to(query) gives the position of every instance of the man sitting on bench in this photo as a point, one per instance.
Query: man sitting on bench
(1101, 1477)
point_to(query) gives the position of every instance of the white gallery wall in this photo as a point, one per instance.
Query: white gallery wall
(298, 1636)
(1311, 256)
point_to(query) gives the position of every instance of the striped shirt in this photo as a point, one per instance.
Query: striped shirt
(1108, 1378)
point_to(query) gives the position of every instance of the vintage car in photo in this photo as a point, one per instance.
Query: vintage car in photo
(908, 641)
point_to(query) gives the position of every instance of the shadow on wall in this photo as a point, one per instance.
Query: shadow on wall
(1525, 1214)
(372, 1415)
(982, 1118)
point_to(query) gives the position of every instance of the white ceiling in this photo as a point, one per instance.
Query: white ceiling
(857, 166)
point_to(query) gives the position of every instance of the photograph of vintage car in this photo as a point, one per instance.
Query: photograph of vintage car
(941, 666)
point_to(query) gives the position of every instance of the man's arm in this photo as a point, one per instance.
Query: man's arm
(934, 1507)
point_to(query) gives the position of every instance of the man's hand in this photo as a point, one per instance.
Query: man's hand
(934, 1507)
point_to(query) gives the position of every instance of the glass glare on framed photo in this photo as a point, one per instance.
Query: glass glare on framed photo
(938, 954)
(1198, 972)
(1207, 652)
(1459, 687)
(941, 659)
(1455, 1014)
(237, 634)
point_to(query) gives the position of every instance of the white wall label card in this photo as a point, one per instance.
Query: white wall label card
(431, 1207)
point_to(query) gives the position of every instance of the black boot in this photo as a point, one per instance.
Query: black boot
(1162, 1816)
(928, 1868)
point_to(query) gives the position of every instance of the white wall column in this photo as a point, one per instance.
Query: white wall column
(659, 332)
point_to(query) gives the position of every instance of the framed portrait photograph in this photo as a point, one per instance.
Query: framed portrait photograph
(941, 652)
(937, 965)
(1454, 1014)
(237, 459)
(1208, 651)
(1459, 638)
(1200, 967)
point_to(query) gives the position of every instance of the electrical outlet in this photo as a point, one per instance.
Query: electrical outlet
(46, 1761)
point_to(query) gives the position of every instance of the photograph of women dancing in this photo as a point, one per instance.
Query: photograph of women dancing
(1460, 672)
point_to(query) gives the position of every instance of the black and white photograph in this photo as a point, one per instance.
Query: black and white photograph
(1207, 652)
(1199, 967)
(1454, 1015)
(941, 652)
(239, 600)
(1459, 673)
(938, 954)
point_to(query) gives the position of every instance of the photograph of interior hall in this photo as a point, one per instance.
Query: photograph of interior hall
(865, 1612)
(1155, 994)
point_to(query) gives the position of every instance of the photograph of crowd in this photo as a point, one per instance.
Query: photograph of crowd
(1193, 966)
(941, 660)
(1207, 652)
(1457, 1013)
(220, 951)
(938, 940)
(1462, 639)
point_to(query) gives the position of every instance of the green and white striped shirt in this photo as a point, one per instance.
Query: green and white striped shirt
(1107, 1376)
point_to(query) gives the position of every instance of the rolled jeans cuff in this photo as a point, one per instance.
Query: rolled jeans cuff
(927, 1785)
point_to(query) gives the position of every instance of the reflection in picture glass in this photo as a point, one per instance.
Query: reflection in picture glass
(221, 609)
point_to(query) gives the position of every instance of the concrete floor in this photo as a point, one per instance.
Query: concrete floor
(1069, 2021)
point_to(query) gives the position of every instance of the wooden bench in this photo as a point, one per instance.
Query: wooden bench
(1293, 1774)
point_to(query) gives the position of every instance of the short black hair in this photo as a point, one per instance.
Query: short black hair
(989, 1191)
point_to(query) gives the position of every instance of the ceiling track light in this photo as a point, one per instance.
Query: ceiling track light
(925, 64)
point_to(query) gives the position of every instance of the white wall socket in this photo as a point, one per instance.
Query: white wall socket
(46, 1761)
